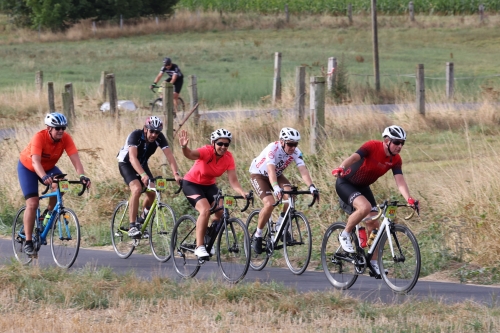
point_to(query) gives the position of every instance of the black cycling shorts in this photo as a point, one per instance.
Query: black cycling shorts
(195, 192)
(177, 84)
(129, 174)
(347, 192)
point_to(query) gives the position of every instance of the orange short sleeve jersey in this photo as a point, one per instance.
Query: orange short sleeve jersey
(206, 169)
(50, 151)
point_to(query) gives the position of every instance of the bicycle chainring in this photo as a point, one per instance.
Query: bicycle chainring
(360, 264)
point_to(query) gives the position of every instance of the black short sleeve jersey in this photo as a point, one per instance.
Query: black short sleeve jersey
(173, 70)
(144, 149)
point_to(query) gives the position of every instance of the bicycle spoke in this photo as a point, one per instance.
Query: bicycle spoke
(18, 238)
(233, 248)
(160, 232)
(257, 261)
(65, 238)
(122, 243)
(297, 244)
(182, 247)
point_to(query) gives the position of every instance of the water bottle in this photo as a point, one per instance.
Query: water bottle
(362, 237)
(372, 237)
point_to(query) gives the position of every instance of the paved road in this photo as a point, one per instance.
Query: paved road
(365, 288)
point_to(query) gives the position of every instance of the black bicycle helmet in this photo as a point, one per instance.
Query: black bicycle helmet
(167, 61)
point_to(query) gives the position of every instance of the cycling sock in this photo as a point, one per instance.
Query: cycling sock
(29, 241)
(145, 212)
(258, 233)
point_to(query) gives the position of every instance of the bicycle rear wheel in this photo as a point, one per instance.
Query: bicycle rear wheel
(403, 269)
(18, 238)
(258, 261)
(233, 250)
(181, 109)
(160, 231)
(338, 269)
(65, 238)
(297, 244)
(157, 105)
(183, 244)
(122, 243)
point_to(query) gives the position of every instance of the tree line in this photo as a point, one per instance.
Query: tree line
(58, 15)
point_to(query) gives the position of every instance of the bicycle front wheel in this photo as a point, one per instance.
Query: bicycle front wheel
(122, 243)
(18, 238)
(160, 232)
(337, 266)
(258, 261)
(233, 250)
(157, 105)
(65, 238)
(183, 244)
(297, 244)
(400, 272)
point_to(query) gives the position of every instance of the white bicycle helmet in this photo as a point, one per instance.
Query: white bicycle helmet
(154, 123)
(289, 134)
(221, 133)
(55, 119)
(394, 132)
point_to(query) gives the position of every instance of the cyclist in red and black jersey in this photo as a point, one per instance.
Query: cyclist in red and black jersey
(174, 76)
(359, 171)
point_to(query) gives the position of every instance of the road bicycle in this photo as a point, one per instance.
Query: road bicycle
(62, 224)
(156, 227)
(397, 248)
(157, 104)
(229, 236)
(294, 233)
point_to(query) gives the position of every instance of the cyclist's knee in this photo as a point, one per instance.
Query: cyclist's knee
(32, 203)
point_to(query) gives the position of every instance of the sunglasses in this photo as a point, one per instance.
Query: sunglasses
(220, 144)
(154, 132)
(397, 142)
(63, 128)
(292, 144)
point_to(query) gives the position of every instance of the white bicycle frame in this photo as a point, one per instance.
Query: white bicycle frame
(291, 204)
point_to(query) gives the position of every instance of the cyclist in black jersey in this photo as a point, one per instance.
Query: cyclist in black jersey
(133, 165)
(174, 76)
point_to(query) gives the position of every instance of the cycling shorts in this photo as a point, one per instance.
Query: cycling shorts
(196, 192)
(129, 174)
(263, 187)
(347, 192)
(29, 179)
(177, 84)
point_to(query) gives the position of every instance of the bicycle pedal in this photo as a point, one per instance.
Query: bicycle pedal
(201, 261)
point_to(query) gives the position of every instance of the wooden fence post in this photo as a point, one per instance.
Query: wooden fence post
(412, 11)
(50, 88)
(168, 110)
(287, 14)
(111, 89)
(193, 94)
(420, 85)
(317, 106)
(68, 87)
(102, 86)
(276, 96)
(121, 22)
(481, 13)
(450, 77)
(349, 13)
(331, 74)
(66, 107)
(300, 91)
(94, 29)
(39, 83)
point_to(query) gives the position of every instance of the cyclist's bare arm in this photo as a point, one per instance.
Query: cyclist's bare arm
(158, 77)
(235, 184)
(174, 78)
(346, 164)
(183, 141)
(305, 175)
(402, 186)
(37, 165)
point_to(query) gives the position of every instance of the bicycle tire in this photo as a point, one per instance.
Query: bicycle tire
(18, 241)
(341, 273)
(401, 276)
(233, 250)
(65, 238)
(258, 261)
(181, 109)
(160, 232)
(183, 244)
(297, 250)
(122, 243)
(157, 105)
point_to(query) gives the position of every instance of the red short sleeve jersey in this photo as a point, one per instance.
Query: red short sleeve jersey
(374, 163)
(50, 151)
(206, 169)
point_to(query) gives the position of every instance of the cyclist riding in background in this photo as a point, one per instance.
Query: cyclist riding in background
(355, 175)
(133, 165)
(199, 185)
(267, 176)
(37, 163)
(174, 76)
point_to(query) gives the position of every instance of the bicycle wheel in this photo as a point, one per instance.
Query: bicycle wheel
(65, 238)
(338, 269)
(160, 232)
(18, 238)
(298, 249)
(122, 243)
(157, 105)
(233, 250)
(404, 268)
(257, 261)
(181, 109)
(183, 244)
